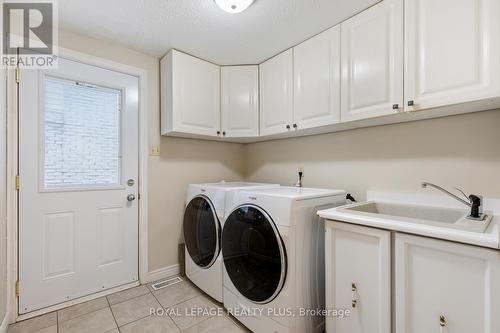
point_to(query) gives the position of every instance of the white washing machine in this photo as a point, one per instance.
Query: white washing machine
(202, 226)
(273, 253)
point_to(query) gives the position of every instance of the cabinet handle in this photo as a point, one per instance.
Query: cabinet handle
(218, 132)
(354, 289)
(287, 126)
(395, 106)
(295, 126)
(223, 133)
(442, 321)
(411, 103)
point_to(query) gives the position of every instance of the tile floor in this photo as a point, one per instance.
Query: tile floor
(128, 311)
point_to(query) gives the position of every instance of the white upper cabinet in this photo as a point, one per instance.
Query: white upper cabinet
(190, 95)
(358, 278)
(445, 287)
(240, 101)
(276, 94)
(372, 62)
(397, 55)
(452, 51)
(317, 80)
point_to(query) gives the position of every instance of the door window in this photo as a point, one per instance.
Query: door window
(81, 129)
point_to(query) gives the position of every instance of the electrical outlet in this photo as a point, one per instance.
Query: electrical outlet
(154, 150)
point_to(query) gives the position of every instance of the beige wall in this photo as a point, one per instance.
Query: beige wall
(3, 199)
(182, 161)
(459, 151)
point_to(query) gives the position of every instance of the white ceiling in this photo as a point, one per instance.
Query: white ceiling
(200, 28)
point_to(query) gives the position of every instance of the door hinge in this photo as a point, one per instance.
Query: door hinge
(18, 182)
(18, 288)
(17, 74)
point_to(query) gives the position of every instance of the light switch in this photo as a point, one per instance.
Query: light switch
(154, 150)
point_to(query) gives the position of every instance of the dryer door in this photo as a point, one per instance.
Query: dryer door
(201, 231)
(254, 255)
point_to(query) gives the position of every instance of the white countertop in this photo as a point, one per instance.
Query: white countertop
(490, 238)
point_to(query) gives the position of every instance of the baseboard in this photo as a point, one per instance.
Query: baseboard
(162, 273)
(5, 323)
(79, 300)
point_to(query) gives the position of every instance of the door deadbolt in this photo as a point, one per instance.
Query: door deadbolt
(130, 182)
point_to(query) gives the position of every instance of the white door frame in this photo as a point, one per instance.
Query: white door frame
(12, 167)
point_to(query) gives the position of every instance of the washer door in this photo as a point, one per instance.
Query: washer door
(201, 231)
(254, 255)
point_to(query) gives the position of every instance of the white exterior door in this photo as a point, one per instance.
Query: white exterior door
(240, 101)
(452, 51)
(316, 98)
(372, 62)
(78, 215)
(358, 277)
(276, 94)
(445, 287)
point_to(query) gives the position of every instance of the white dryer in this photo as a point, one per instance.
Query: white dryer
(273, 253)
(202, 226)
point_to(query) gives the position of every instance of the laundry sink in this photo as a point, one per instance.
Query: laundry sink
(423, 215)
(419, 216)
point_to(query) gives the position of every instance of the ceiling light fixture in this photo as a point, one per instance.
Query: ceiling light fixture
(234, 6)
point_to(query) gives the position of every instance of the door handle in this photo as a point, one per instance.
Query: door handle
(130, 197)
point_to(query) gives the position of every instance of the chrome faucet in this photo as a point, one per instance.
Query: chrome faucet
(301, 174)
(475, 202)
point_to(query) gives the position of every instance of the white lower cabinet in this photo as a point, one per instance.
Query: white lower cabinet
(437, 286)
(445, 287)
(358, 270)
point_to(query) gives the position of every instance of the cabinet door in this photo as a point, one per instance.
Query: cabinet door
(358, 269)
(190, 95)
(372, 62)
(443, 283)
(317, 80)
(240, 101)
(452, 51)
(276, 95)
